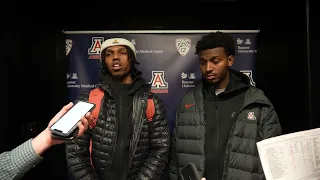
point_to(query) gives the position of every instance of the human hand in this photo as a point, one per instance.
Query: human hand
(82, 125)
(44, 141)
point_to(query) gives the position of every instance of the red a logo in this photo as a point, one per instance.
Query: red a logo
(158, 82)
(95, 48)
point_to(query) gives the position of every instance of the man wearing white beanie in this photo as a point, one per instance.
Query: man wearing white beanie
(125, 144)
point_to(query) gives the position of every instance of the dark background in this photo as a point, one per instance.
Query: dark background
(34, 67)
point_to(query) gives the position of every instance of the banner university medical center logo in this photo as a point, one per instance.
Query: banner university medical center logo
(68, 46)
(158, 83)
(183, 45)
(95, 48)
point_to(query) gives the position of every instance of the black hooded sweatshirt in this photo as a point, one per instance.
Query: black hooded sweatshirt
(124, 101)
(220, 113)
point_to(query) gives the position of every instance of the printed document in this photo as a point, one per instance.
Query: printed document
(294, 156)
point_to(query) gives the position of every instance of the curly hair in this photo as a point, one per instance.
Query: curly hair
(214, 40)
(132, 58)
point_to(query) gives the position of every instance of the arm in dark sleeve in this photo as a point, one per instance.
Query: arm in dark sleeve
(78, 155)
(270, 125)
(159, 139)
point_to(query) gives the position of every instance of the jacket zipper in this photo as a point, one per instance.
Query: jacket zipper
(115, 136)
(218, 129)
(229, 145)
(144, 101)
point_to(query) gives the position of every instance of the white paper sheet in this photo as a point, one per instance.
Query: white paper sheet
(294, 156)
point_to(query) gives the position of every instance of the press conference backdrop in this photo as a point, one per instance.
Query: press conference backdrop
(167, 60)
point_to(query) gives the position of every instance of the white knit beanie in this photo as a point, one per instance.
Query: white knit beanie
(117, 42)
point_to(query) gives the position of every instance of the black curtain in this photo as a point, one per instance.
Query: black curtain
(35, 89)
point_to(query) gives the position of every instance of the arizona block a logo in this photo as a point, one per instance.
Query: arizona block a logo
(251, 116)
(183, 45)
(95, 48)
(158, 82)
(249, 74)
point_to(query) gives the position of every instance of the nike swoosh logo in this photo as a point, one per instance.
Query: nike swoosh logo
(188, 105)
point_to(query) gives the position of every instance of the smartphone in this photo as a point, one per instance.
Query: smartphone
(68, 122)
(190, 172)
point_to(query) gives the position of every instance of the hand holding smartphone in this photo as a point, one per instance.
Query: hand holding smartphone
(66, 127)
(190, 172)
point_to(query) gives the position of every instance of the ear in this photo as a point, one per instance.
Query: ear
(230, 60)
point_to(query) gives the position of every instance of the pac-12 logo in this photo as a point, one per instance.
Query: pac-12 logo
(249, 74)
(68, 46)
(95, 48)
(158, 82)
(183, 45)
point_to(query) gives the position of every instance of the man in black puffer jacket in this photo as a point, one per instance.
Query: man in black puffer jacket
(125, 145)
(220, 121)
